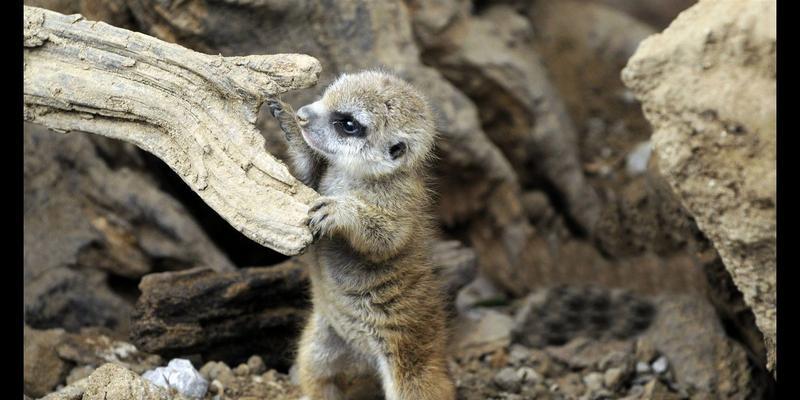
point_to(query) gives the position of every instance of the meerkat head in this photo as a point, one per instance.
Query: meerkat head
(371, 123)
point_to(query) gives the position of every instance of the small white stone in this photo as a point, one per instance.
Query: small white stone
(637, 159)
(660, 365)
(642, 367)
(181, 376)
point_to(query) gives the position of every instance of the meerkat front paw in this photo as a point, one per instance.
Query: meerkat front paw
(329, 214)
(285, 116)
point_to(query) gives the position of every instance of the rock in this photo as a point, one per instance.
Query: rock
(584, 353)
(490, 331)
(642, 367)
(690, 80)
(508, 380)
(636, 161)
(593, 381)
(710, 363)
(112, 381)
(529, 375)
(518, 354)
(613, 378)
(223, 315)
(267, 385)
(570, 385)
(658, 13)
(661, 365)
(456, 266)
(495, 63)
(86, 221)
(214, 370)
(620, 359)
(256, 364)
(655, 390)
(43, 370)
(179, 375)
(605, 39)
(93, 346)
(79, 373)
(71, 392)
(481, 291)
(241, 370)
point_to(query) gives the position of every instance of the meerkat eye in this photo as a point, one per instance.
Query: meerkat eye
(348, 126)
(397, 150)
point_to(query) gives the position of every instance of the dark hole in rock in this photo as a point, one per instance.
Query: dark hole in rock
(240, 250)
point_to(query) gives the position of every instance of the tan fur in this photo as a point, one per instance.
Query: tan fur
(377, 306)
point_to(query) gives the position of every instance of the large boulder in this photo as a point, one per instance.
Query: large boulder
(707, 84)
(93, 227)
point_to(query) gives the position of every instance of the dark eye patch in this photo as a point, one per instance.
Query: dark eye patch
(346, 125)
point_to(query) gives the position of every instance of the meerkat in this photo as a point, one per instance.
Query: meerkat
(377, 306)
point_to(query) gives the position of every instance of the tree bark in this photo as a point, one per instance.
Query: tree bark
(194, 111)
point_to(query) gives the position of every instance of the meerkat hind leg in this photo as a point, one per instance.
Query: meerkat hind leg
(323, 359)
(426, 383)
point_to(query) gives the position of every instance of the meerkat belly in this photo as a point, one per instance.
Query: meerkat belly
(361, 300)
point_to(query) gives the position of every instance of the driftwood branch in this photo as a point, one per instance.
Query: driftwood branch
(194, 111)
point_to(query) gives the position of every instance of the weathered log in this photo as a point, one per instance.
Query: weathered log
(228, 315)
(196, 112)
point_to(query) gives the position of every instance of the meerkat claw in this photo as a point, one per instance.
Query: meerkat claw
(275, 107)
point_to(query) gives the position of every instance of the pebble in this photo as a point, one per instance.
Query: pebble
(518, 354)
(660, 365)
(529, 375)
(642, 367)
(216, 370)
(241, 370)
(508, 379)
(593, 381)
(256, 365)
(637, 159)
(612, 378)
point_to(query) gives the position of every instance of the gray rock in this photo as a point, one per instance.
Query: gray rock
(42, 368)
(529, 375)
(488, 330)
(508, 379)
(179, 375)
(593, 381)
(518, 354)
(85, 220)
(256, 365)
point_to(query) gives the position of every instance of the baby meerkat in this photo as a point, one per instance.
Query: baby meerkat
(378, 307)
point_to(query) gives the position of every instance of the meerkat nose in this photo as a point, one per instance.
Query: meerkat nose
(304, 115)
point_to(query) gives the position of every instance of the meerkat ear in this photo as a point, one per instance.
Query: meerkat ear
(397, 150)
